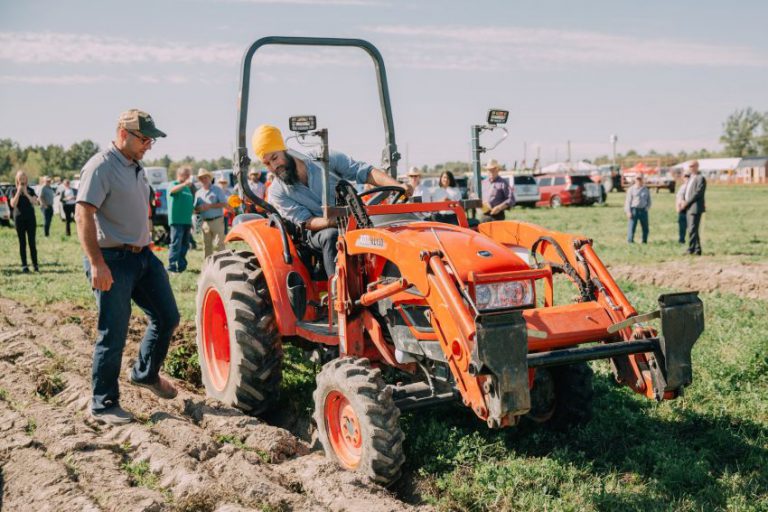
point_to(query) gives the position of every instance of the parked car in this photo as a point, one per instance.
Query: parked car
(526, 190)
(158, 203)
(5, 204)
(567, 189)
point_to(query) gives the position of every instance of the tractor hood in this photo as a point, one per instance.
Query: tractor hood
(468, 250)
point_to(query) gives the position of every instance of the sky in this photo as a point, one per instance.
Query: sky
(658, 74)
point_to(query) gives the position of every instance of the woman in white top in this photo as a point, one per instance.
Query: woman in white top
(447, 191)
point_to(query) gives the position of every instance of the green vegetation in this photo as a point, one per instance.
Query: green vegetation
(705, 451)
(140, 475)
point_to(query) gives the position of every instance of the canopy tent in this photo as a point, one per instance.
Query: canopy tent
(710, 165)
(580, 166)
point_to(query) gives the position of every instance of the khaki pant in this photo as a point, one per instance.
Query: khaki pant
(213, 235)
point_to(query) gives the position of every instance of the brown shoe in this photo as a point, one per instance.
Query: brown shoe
(162, 388)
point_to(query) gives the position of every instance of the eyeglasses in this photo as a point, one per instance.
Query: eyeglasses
(143, 139)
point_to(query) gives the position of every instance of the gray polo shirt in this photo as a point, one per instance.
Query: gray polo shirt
(119, 190)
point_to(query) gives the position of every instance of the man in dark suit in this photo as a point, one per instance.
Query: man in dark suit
(694, 207)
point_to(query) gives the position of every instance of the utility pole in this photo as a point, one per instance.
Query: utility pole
(614, 139)
(525, 154)
(569, 155)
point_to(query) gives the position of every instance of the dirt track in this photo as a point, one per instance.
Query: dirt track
(183, 454)
(745, 279)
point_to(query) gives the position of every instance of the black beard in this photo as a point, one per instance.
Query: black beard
(288, 172)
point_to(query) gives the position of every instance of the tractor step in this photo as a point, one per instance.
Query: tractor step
(320, 328)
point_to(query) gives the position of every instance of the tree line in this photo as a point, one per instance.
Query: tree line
(745, 133)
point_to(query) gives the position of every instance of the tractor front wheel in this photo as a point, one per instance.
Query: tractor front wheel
(357, 420)
(238, 343)
(562, 396)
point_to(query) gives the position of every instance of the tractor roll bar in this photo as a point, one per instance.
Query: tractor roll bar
(390, 155)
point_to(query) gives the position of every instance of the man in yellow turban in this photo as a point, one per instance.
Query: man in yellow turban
(297, 190)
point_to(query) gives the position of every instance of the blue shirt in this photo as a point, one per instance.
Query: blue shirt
(298, 202)
(501, 193)
(211, 196)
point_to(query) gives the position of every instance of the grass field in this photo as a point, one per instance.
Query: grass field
(706, 451)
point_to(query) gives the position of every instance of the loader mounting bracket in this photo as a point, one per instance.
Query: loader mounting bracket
(501, 350)
(682, 322)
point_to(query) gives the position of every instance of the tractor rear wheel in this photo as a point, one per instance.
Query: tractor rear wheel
(357, 420)
(238, 343)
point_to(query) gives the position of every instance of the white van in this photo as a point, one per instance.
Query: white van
(156, 175)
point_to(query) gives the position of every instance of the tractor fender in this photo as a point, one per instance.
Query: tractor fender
(266, 244)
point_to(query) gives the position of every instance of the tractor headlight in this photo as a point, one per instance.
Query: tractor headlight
(504, 294)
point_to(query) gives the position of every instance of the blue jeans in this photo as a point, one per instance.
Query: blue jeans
(177, 256)
(641, 215)
(682, 227)
(140, 277)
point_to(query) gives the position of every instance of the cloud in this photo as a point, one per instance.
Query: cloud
(463, 47)
(67, 48)
(321, 3)
(57, 80)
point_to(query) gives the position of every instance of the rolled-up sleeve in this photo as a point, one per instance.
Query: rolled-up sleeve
(349, 169)
(287, 206)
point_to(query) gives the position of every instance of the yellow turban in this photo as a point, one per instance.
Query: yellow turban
(267, 139)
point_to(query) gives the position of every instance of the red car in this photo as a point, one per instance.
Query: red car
(567, 189)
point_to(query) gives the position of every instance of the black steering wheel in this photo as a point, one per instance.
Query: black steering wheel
(383, 193)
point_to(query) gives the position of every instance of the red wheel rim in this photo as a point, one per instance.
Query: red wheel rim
(215, 339)
(343, 429)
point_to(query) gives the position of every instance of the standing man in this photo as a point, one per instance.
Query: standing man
(181, 199)
(636, 206)
(46, 204)
(112, 226)
(414, 180)
(68, 197)
(694, 207)
(210, 202)
(297, 189)
(682, 223)
(500, 196)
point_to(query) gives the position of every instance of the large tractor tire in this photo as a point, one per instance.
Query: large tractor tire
(357, 420)
(238, 343)
(562, 396)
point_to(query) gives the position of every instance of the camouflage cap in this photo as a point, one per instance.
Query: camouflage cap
(139, 121)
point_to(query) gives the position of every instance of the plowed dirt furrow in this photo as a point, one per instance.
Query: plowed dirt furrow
(189, 453)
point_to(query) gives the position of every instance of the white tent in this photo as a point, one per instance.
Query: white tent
(711, 165)
(580, 166)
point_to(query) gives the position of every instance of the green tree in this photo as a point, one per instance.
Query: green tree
(762, 140)
(34, 165)
(79, 153)
(739, 132)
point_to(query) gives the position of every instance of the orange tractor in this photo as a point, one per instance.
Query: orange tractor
(452, 313)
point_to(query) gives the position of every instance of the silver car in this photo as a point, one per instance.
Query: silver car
(526, 190)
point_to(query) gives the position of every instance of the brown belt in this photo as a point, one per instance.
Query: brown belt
(128, 247)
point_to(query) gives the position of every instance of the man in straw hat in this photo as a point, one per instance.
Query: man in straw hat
(414, 180)
(500, 196)
(111, 212)
(210, 202)
(297, 189)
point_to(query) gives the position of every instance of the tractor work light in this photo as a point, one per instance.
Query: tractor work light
(504, 295)
(302, 124)
(497, 116)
